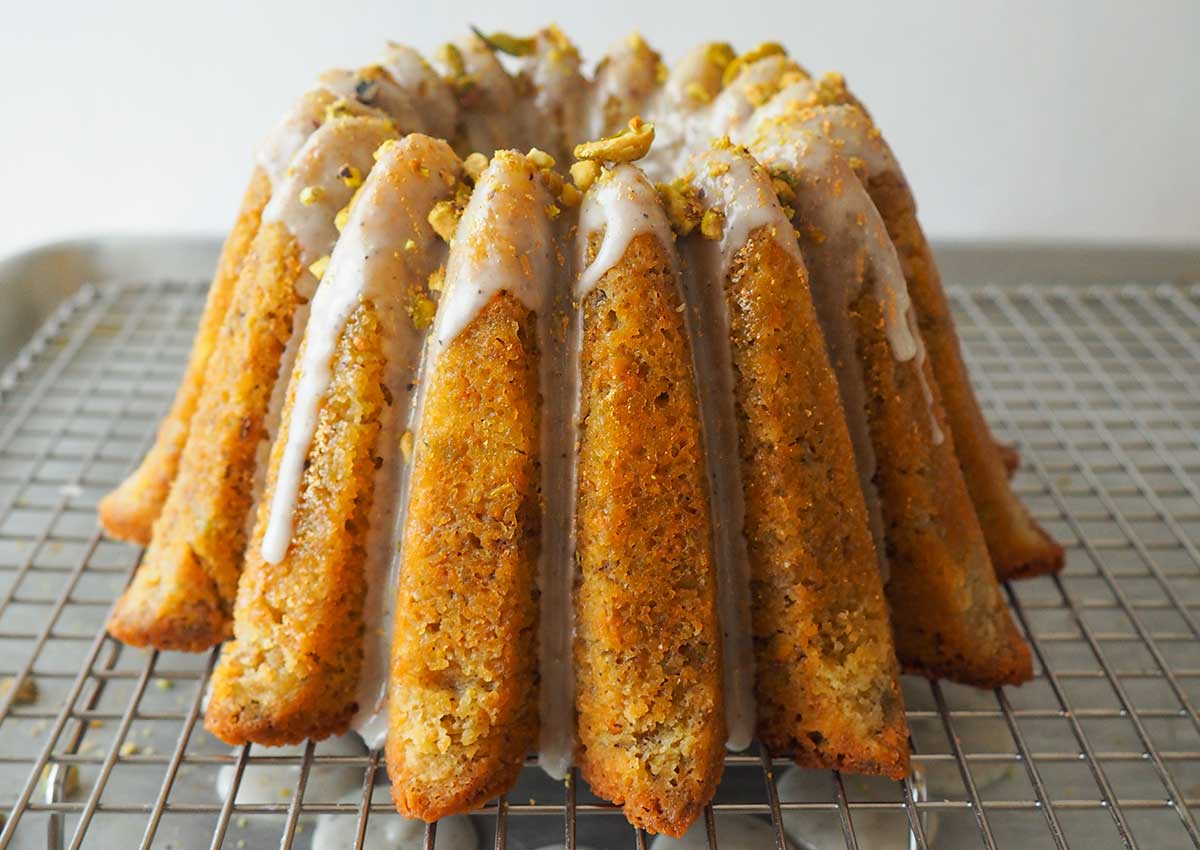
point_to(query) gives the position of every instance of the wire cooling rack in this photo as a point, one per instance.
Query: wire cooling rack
(101, 745)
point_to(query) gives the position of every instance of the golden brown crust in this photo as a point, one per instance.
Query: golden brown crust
(182, 594)
(462, 700)
(292, 670)
(128, 513)
(826, 675)
(948, 613)
(1019, 547)
(647, 651)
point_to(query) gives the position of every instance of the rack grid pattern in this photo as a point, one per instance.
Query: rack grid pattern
(1099, 386)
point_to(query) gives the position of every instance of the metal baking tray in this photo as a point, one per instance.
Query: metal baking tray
(1087, 358)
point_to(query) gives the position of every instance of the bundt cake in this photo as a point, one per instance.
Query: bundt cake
(623, 466)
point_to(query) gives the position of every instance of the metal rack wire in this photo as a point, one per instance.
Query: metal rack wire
(1100, 387)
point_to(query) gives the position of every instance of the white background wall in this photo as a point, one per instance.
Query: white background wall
(1044, 120)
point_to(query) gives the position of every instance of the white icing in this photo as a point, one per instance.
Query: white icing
(558, 97)
(624, 205)
(372, 262)
(504, 242)
(624, 81)
(432, 95)
(731, 183)
(876, 829)
(389, 831)
(374, 88)
(289, 135)
(853, 236)
(734, 832)
(264, 784)
(345, 141)
(490, 116)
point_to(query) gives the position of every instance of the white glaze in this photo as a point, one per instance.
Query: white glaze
(430, 94)
(342, 141)
(370, 263)
(559, 92)
(623, 205)
(388, 831)
(374, 88)
(818, 148)
(734, 832)
(729, 182)
(280, 146)
(272, 784)
(505, 242)
(624, 81)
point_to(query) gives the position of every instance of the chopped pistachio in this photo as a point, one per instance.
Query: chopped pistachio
(340, 108)
(570, 196)
(735, 67)
(631, 144)
(697, 92)
(712, 224)
(682, 204)
(70, 779)
(410, 245)
(720, 53)
(309, 195)
(510, 44)
(437, 280)
(422, 311)
(553, 211)
(444, 219)
(350, 176)
(318, 268)
(783, 190)
(584, 173)
(130, 748)
(339, 220)
(662, 73)
(540, 158)
(406, 446)
(717, 168)
(450, 56)
(27, 689)
(474, 165)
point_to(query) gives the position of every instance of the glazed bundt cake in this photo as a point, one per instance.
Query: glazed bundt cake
(623, 466)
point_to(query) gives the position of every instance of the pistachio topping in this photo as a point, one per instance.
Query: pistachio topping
(310, 195)
(697, 92)
(340, 108)
(570, 196)
(510, 44)
(736, 66)
(444, 219)
(682, 204)
(318, 268)
(26, 689)
(422, 311)
(474, 165)
(584, 173)
(629, 145)
(720, 53)
(712, 224)
(540, 158)
(350, 176)
(437, 280)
